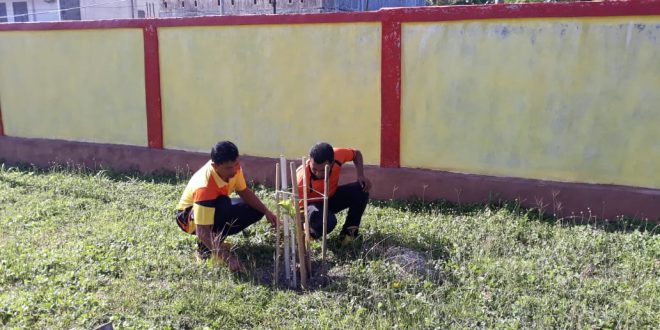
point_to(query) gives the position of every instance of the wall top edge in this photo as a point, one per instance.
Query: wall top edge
(411, 14)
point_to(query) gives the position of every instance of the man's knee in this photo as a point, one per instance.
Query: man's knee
(315, 213)
(223, 203)
(243, 210)
(360, 196)
(357, 189)
(255, 215)
(364, 196)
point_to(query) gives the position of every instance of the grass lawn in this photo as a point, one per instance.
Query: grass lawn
(79, 248)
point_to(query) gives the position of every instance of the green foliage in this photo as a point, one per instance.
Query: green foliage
(79, 248)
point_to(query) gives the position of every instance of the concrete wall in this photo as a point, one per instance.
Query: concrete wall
(79, 85)
(571, 100)
(272, 89)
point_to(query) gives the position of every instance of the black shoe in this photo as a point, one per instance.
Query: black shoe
(313, 234)
(203, 253)
(348, 235)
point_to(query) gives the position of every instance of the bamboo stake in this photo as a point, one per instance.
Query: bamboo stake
(299, 232)
(278, 228)
(325, 214)
(287, 252)
(308, 255)
(292, 254)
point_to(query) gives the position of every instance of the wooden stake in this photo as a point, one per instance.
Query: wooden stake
(308, 255)
(278, 228)
(325, 213)
(299, 231)
(287, 256)
(292, 254)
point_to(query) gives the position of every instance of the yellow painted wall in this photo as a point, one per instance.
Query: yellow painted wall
(564, 99)
(83, 85)
(272, 89)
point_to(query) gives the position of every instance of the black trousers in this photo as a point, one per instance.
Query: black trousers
(349, 196)
(232, 215)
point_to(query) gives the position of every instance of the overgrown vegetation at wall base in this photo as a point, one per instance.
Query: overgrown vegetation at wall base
(80, 248)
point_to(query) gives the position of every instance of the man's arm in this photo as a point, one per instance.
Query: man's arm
(213, 243)
(251, 199)
(359, 168)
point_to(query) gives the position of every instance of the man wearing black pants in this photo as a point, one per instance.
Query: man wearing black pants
(206, 210)
(353, 196)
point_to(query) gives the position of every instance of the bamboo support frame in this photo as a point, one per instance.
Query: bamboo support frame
(297, 233)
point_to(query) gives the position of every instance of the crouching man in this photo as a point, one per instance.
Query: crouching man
(206, 210)
(352, 196)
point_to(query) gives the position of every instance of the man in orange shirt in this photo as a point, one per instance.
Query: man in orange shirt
(353, 196)
(206, 210)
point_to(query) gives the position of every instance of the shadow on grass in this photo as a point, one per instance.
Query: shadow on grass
(620, 224)
(171, 177)
(333, 274)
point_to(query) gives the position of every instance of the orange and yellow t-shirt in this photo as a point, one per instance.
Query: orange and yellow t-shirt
(204, 188)
(315, 186)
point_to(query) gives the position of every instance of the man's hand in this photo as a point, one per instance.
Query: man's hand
(365, 183)
(272, 219)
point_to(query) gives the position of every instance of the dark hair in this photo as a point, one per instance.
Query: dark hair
(224, 151)
(322, 152)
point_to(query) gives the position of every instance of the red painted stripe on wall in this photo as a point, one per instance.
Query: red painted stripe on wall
(413, 14)
(152, 88)
(354, 17)
(536, 10)
(198, 21)
(74, 25)
(390, 93)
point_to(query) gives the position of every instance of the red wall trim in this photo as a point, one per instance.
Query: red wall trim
(415, 14)
(198, 21)
(152, 88)
(535, 10)
(373, 16)
(74, 25)
(390, 93)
